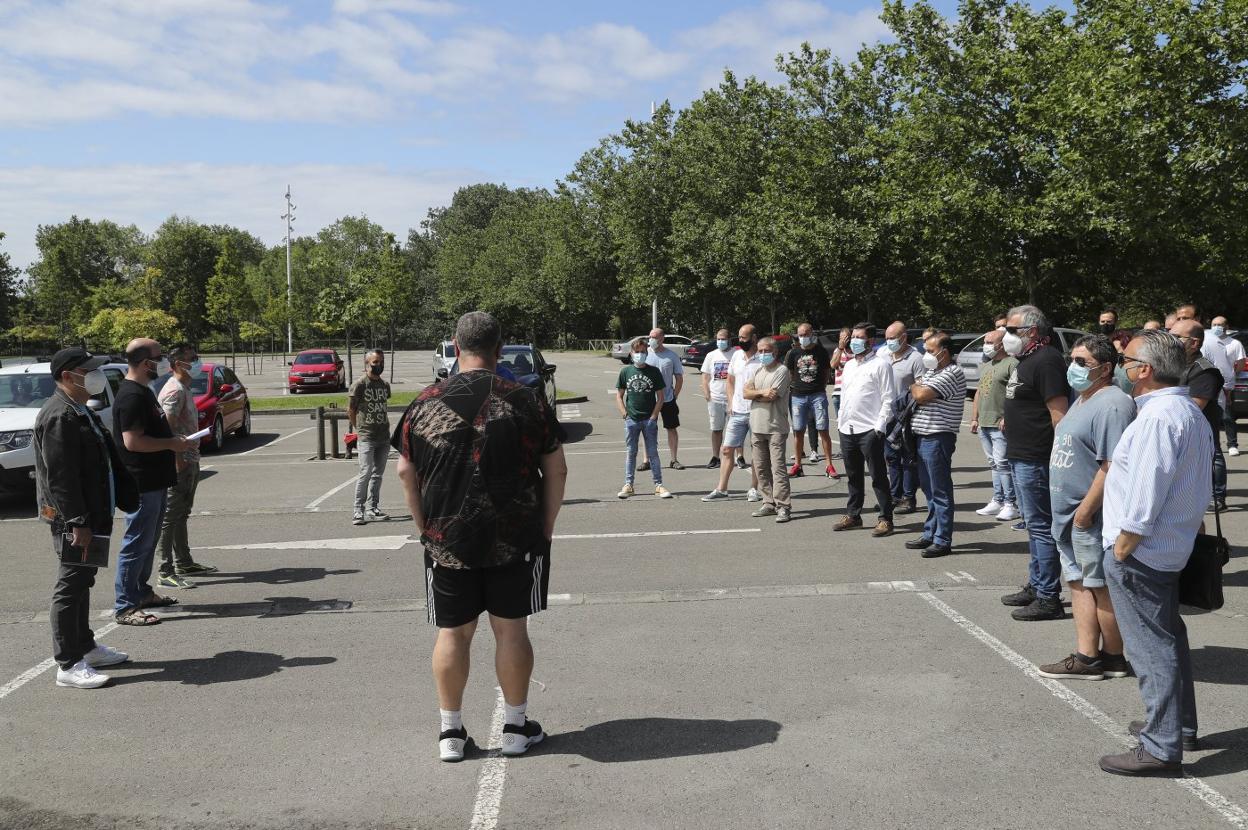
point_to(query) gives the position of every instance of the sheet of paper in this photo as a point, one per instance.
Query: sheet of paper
(203, 433)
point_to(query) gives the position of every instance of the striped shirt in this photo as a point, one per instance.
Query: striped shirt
(1161, 479)
(945, 413)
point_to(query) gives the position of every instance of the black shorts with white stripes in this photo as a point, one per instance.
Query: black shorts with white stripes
(457, 596)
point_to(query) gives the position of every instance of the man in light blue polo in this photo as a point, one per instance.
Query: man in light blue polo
(1156, 491)
(667, 362)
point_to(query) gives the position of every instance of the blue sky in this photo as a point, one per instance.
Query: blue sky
(135, 109)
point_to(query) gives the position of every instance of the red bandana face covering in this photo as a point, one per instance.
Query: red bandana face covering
(1036, 344)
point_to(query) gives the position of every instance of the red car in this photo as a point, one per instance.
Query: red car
(221, 400)
(317, 369)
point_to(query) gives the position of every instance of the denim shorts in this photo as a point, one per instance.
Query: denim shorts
(737, 428)
(1082, 555)
(804, 407)
(718, 414)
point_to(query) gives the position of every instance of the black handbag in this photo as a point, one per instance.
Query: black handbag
(1200, 583)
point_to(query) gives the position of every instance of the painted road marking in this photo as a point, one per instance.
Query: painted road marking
(622, 451)
(277, 441)
(658, 533)
(315, 503)
(1229, 810)
(351, 543)
(960, 576)
(30, 674)
(493, 776)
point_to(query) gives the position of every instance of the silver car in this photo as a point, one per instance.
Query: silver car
(676, 342)
(972, 355)
(443, 359)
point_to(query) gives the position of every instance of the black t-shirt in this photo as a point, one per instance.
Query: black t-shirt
(1038, 377)
(136, 410)
(1204, 380)
(808, 369)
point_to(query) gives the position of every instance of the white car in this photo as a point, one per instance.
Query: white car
(676, 342)
(443, 359)
(23, 391)
(972, 355)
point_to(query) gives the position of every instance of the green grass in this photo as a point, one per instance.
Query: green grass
(564, 394)
(340, 399)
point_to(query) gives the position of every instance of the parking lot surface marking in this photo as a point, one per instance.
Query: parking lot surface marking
(317, 502)
(1229, 810)
(276, 441)
(493, 776)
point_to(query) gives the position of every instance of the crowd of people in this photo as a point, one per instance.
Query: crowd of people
(1108, 458)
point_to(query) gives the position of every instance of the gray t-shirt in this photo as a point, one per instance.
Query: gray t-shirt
(667, 362)
(1086, 436)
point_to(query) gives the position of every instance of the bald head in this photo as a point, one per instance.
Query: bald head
(1192, 333)
(896, 331)
(1152, 325)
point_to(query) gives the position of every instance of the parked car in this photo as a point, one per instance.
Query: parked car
(317, 369)
(529, 367)
(971, 354)
(23, 391)
(676, 342)
(699, 349)
(443, 358)
(221, 400)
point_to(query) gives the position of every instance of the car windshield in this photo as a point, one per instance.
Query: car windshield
(520, 362)
(199, 383)
(26, 390)
(448, 350)
(313, 359)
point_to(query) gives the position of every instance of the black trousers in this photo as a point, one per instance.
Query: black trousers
(72, 636)
(866, 448)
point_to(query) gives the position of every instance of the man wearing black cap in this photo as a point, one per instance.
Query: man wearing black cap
(147, 448)
(80, 481)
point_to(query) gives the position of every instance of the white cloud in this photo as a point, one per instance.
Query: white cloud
(429, 7)
(249, 196)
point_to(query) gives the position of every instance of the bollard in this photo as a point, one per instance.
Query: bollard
(333, 438)
(320, 433)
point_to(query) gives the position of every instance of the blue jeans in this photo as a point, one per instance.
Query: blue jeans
(806, 408)
(903, 479)
(993, 442)
(138, 548)
(649, 429)
(1031, 487)
(1146, 602)
(936, 478)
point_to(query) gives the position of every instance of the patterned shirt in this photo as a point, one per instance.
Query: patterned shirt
(944, 414)
(476, 441)
(178, 402)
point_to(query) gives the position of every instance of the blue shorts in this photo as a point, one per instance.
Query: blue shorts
(736, 429)
(1082, 554)
(803, 407)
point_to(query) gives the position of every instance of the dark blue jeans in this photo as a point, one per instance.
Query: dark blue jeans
(903, 478)
(1031, 487)
(138, 547)
(936, 479)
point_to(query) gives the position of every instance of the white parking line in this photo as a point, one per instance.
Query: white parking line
(278, 441)
(658, 533)
(1229, 810)
(493, 776)
(30, 674)
(315, 503)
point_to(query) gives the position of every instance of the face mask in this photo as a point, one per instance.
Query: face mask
(806, 342)
(94, 382)
(766, 358)
(376, 368)
(930, 361)
(1013, 344)
(990, 351)
(194, 367)
(654, 342)
(722, 345)
(639, 358)
(162, 367)
(894, 346)
(1079, 377)
(1218, 331)
(1108, 328)
(857, 345)
(746, 343)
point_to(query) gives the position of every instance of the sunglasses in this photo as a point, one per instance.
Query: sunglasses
(1016, 329)
(1126, 360)
(1083, 361)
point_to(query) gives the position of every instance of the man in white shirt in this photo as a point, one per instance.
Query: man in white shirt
(715, 391)
(867, 394)
(741, 369)
(1236, 358)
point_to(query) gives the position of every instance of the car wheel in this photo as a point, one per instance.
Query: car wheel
(245, 429)
(218, 435)
(294, 390)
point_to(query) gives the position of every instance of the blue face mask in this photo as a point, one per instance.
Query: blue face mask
(806, 342)
(654, 342)
(857, 345)
(639, 358)
(766, 358)
(722, 345)
(1079, 377)
(894, 346)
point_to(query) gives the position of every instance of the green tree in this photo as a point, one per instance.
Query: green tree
(230, 301)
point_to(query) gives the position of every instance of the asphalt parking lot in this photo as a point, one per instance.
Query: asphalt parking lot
(697, 668)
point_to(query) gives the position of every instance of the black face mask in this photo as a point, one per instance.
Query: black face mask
(376, 368)
(746, 343)
(1108, 328)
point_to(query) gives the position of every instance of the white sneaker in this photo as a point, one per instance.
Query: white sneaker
(1008, 513)
(662, 492)
(1233, 451)
(715, 495)
(451, 744)
(813, 457)
(80, 676)
(753, 495)
(991, 508)
(625, 491)
(101, 656)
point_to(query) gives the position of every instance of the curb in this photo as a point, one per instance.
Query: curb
(579, 399)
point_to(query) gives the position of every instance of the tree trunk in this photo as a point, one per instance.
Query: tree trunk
(391, 359)
(350, 360)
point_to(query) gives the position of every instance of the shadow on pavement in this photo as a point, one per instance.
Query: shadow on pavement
(576, 431)
(17, 504)
(1233, 757)
(225, 667)
(277, 576)
(647, 739)
(1220, 664)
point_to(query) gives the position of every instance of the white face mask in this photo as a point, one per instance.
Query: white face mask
(654, 342)
(94, 382)
(1013, 344)
(930, 361)
(990, 351)
(806, 342)
(639, 358)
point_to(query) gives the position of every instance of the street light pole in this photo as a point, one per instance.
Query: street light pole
(654, 305)
(289, 216)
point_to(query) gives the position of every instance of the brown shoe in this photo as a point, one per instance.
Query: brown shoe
(883, 528)
(847, 522)
(1139, 762)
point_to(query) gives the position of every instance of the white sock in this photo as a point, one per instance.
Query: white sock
(514, 715)
(451, 720)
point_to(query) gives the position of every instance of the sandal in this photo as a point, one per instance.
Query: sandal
(136, 617)
(157, 601)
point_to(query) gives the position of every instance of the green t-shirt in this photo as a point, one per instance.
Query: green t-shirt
(641, 386)
(993, 378)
